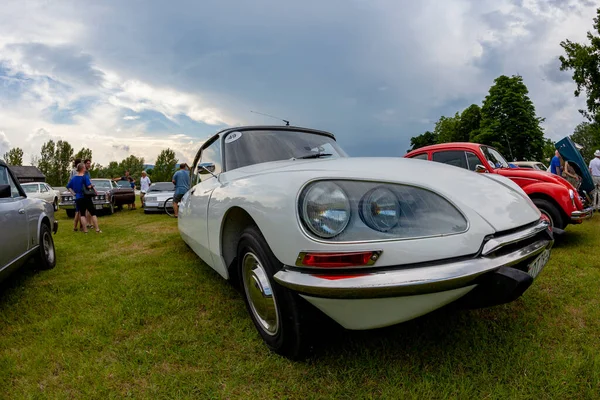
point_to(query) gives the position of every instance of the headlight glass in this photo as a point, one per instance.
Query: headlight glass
(325, 209)
(380, 209)
(345, 210)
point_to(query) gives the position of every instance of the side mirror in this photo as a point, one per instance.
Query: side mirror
(206, 168)
(480, 169)
(5, 191)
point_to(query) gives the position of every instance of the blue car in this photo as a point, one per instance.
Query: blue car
(568, 151)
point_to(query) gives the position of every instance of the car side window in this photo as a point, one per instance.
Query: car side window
(456, 158)
(472, 160)
(211, 154)
(43, 188)
(14, 190)
(420, 157)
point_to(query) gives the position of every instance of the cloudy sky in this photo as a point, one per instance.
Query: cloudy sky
(135, 77)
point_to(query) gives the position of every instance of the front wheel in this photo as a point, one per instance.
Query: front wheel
(168, 207)
(46, 257)
(550, 210)
(277, 313)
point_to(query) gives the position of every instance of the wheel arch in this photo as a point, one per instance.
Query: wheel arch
(235, 221)
(551, 200)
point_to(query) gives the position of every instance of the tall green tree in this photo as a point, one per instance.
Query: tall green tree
(84, 154)
(164, 166)
(588, 135)
(132, 164)
(447, 129)
(425, 139)
(584, 60)
(549, 149)
(470, 121)
(63, 162)
(14, 156)
(46, 162)
(509, 121)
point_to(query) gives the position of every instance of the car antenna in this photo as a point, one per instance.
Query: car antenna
(287, 123)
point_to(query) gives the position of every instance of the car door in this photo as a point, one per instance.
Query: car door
(194, 205)
(14, 235)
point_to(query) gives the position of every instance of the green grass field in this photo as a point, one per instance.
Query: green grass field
(134, 313)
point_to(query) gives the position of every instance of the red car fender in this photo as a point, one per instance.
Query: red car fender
(558, 193)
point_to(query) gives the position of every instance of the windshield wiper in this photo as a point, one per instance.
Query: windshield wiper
(317, 155)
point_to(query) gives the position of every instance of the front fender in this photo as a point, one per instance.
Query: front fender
(559, 193)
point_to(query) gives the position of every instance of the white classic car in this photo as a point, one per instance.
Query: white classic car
(370, 242)
(159, 193)
(41, 190)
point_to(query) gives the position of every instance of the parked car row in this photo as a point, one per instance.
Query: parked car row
(110, 195)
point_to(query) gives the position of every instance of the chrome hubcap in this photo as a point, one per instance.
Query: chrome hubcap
(260, 294)
(48, 247)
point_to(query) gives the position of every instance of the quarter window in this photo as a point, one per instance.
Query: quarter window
(43, 188)
(472, 160)
(456, 158)
(420, 157)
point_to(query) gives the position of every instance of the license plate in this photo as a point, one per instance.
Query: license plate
(99, 207)
(538, 264)
(152, 204)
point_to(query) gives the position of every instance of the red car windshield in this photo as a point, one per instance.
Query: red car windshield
(494, 158)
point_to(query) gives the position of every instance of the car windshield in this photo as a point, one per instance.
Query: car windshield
(162, 187)
(243, 148)
(495, 159)
(101, 184)
(30, 188)
(124, 184)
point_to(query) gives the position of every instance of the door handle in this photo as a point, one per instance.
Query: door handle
(22, 211)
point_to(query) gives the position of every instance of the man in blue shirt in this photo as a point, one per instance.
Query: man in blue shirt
(555, 167)
(181, 180)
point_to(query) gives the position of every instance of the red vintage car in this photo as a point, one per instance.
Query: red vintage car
(553, 195)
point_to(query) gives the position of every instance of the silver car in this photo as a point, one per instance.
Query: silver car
(157, 195)
(26, 225)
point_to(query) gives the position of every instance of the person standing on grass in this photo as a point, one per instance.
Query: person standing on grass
(555, 164)
(595, 171)
(83, 202)
(77, 219)
(88, 165)
(144, 186)
(181, 180)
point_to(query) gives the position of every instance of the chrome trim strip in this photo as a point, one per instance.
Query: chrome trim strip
(496, 243)
(581, 215)
(406, 281)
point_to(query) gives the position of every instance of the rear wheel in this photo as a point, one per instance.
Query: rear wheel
(551, 211)
(46, 257)
(277, 313)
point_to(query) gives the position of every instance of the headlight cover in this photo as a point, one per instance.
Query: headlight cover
(351, 211)
(325, 209)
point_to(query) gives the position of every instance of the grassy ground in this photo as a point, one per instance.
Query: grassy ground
(134, 313)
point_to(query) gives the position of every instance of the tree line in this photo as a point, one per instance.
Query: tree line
(507, 119)
(56, 159)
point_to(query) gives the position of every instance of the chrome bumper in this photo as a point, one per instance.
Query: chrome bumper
(407, 280)
(581, 215)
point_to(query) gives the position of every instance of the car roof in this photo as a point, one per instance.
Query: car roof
(464, 145)
(270, 127)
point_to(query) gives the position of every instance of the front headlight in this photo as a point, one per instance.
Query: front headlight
(345, 210)
(325, 209)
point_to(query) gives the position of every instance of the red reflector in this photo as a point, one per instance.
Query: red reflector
(338, 260)
(336, 277)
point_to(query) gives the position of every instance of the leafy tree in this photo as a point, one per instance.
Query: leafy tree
(84, 154)
(588, 135)
(509, 122)
(46, 162)
(63, 162)
(133, 164)
(164, 166)
(14, 156)
(549, 149)
(447, 129)
(425, 139)
(470, 121)
(584, 60)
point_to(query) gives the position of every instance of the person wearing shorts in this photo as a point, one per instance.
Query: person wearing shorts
(82, 202)
(181, 180)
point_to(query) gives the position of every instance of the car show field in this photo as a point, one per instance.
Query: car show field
(135, 313)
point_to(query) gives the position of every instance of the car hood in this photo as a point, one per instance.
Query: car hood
(500, 202)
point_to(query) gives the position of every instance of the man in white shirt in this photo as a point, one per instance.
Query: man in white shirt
(595, 171)
(144, 186)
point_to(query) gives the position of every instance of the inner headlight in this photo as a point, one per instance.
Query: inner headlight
(380, 209)
(351, 211)
(325, 209)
